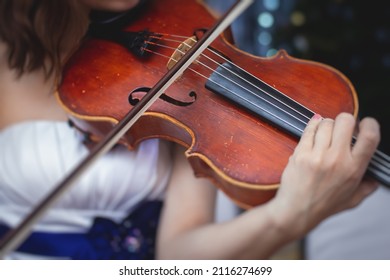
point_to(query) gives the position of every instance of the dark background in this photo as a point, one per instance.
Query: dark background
(351, 35)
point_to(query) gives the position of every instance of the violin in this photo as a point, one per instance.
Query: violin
(239, 116)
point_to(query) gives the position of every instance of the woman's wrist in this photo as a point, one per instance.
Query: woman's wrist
(285, 221)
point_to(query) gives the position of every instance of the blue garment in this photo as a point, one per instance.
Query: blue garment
(133, 238)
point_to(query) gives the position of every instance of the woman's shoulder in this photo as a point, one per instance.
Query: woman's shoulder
(25, 97)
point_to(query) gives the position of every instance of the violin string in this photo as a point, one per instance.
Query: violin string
(244, 88)
(160, 45)
(168, 57)
(198, 73)
(241, 97)
(248, 73)
(379, 157)
(250, 83)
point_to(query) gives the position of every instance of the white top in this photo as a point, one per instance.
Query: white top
(35, 156)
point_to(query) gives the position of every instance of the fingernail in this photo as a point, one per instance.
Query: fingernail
(317, 117)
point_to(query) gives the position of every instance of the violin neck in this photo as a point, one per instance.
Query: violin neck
(276, 108)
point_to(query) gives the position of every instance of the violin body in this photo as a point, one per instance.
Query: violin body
(240, 152)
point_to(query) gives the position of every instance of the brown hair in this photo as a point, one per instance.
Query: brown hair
(37, 32)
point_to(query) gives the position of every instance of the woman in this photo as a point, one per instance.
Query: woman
(323, 176)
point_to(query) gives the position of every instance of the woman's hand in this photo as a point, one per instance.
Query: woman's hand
(325, 173)
(323, 176)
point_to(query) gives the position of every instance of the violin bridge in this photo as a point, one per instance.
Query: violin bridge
(181, 50)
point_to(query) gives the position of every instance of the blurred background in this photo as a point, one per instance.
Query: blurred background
(351, 35)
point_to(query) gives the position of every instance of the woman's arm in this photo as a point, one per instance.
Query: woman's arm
(187, 230)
